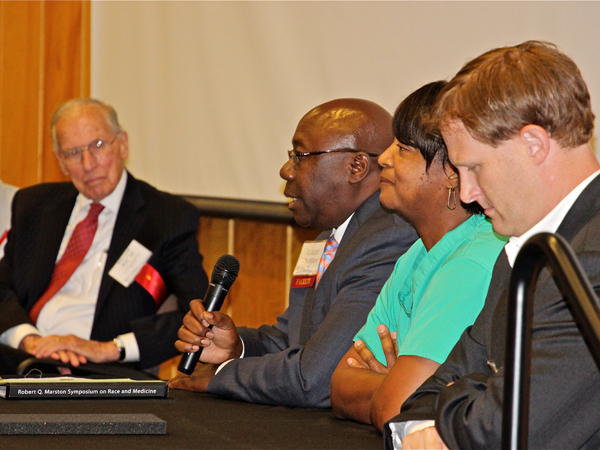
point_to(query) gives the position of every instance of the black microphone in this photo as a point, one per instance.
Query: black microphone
(224, 274)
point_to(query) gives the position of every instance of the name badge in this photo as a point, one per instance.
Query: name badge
(307, 266)
(130, 263)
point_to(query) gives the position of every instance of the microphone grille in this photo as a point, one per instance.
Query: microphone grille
(226, 271)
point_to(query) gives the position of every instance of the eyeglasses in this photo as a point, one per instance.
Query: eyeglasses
(295, 155)
(97, 148)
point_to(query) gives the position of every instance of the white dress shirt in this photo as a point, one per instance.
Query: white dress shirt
(549, 224)
(71, 310)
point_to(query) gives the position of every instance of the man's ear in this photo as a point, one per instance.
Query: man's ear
(537, 141)
(359, 167)
(124, 143)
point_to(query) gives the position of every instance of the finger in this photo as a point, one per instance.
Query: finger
(188, 336)
(355, 364)
(218, 319)
(183, 382)
(64, 356)
(387, 344)
(394, 335)
(73, 359)
(197, 308)
(186, 347)
(194, 324)
(174, 382)
(368, 357)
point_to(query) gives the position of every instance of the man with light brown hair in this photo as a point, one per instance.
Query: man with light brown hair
(517, 122)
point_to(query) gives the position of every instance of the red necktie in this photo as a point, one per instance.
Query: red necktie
(79, 245)
(327, 257)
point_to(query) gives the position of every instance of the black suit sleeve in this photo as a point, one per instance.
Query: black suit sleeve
(23, 223)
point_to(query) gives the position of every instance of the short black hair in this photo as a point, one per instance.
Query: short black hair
(413, 128)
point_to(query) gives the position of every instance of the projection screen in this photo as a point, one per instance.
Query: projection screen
(211, 92)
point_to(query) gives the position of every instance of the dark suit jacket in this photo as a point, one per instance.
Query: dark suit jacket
(164, 224)
(291, 362)
(565, 381)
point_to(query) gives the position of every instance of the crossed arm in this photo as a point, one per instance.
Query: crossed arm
(365, 390)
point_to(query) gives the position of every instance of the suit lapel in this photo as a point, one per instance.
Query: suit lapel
(360, 216)
(128, 223)
(585, 207)
(309, 301)
(497, 310)
(53, 220)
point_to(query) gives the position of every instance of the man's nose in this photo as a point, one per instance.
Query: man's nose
(287, 171)
(469, 191)
(88, 162)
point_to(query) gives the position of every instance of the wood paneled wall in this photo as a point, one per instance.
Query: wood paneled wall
(44, 61)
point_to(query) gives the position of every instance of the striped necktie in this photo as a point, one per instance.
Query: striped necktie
(330, 248)
(78, 246)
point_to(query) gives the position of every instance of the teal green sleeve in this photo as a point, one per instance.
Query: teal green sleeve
(384, 312)
(451, 303)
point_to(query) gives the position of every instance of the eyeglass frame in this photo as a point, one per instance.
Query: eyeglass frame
(295, 155)
(62, 154)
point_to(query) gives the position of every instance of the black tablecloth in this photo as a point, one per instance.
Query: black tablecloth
(198, 421)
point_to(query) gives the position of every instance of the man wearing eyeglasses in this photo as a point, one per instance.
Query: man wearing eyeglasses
(88, 263)
(332, 178)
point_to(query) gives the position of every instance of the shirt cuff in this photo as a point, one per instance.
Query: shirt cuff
(223, 364)
(13, 336)
(402, 429)
(129, 343)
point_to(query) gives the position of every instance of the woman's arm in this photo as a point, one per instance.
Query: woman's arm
(403, 379)
(367, 391)
(359, 375)
(353, 387)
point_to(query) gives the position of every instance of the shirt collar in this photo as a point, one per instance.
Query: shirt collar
(550, 223)
(112, 201)
(338, 233)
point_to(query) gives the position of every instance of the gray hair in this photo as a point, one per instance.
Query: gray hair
(109, 113)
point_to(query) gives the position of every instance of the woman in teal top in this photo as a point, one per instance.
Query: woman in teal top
(435, 293)
(437, 288)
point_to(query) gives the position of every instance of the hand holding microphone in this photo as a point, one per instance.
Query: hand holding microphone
(224, 274)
